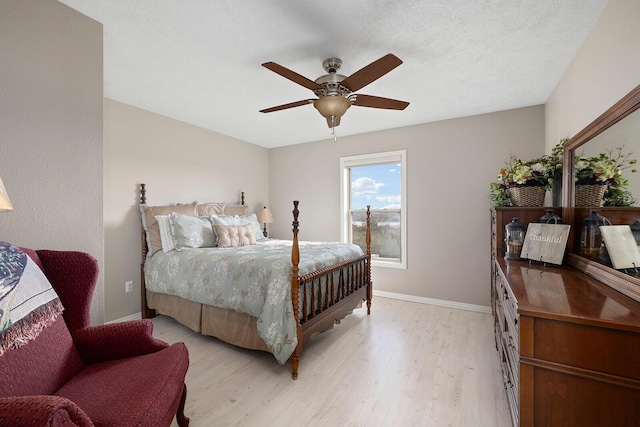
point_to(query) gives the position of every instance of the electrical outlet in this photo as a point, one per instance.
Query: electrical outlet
(128, 286)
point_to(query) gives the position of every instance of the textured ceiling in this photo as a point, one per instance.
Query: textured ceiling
(199, 60)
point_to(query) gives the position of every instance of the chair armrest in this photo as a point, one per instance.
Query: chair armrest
(27, 411)
(116, 341)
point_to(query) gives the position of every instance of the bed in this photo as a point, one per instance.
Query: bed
(270, 295)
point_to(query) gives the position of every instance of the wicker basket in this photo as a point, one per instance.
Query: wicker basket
(589, 195)
(527, 196)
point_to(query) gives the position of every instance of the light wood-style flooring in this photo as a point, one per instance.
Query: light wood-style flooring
(407, 364)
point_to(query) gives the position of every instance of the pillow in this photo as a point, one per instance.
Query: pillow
(150, 224)
(236, 210)
(206, 209)
(250, 219)
(165, 233)
(191, 231)
(234, 235)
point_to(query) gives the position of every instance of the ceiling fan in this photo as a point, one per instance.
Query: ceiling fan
(335, 92)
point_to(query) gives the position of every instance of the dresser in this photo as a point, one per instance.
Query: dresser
(569, 346)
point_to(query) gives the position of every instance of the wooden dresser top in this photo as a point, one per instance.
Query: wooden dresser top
(566, 294)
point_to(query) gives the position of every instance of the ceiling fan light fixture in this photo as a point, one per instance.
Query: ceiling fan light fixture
(332, 108)
(335, 92)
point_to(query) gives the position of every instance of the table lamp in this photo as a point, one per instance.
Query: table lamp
(265, 217)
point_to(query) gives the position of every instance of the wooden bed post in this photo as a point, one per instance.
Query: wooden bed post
(146, 312)
(295, 289)
(368, 240)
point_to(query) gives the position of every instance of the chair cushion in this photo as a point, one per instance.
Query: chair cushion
(41, 366)
(138, 391)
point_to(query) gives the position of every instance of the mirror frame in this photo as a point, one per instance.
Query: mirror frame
(623, 283)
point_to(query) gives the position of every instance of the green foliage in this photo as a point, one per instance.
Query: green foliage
(542, 171)
(498, 195)
(606, 168)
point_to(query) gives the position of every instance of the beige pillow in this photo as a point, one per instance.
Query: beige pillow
(150, 223)
(207, 209)
(234, 235)
(236, 210)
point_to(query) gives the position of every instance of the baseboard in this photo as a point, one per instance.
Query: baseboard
(134, 316)
(433, 301)
(384, 294)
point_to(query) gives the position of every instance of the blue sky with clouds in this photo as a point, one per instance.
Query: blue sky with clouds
(376, 185)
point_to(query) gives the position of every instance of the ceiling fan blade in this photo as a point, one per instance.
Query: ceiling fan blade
(379, 102)
(292, 75)
(289, 105)
(371, 72)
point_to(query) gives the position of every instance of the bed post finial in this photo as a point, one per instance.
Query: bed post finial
(143, 194)
(242, 198)
(295, 222)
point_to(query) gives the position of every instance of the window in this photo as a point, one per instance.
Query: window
(377, 180)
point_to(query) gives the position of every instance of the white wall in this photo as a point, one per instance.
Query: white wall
(179, 163)
(51, 129)
(606, 67)
(449, 166)
(51, 163)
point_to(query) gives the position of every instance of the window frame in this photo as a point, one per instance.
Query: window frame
(346, 163)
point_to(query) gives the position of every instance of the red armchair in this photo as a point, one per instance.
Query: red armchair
(74, 374)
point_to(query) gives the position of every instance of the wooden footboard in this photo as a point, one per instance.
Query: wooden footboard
(322, 298)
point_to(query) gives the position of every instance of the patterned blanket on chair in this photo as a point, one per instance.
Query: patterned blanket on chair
(28, 303)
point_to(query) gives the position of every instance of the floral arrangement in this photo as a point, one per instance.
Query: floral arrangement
(540, 172)
(599, 170)
(606, 169)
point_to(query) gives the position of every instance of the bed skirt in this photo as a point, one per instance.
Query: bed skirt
(229, 326)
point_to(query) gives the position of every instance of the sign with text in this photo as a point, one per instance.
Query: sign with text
(545, 242)
(621, 246)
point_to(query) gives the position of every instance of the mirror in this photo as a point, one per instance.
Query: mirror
(619, 126)
(624, 135)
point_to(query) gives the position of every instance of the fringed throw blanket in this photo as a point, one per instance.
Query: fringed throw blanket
(28, 303)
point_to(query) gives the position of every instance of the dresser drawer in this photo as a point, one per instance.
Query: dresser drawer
(511, 382)
(509, 306)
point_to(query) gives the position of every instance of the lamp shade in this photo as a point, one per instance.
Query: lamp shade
(5, 203)
(332, 107)
(264, 216)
